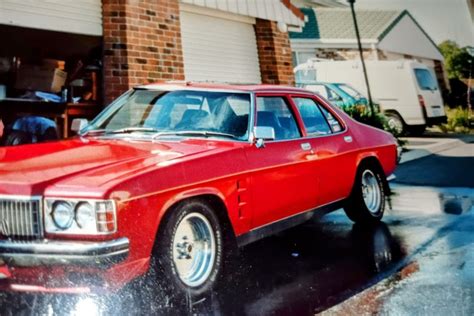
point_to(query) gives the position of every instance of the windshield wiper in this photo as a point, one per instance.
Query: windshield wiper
(93, 131)
(128, 130)
(195, 133)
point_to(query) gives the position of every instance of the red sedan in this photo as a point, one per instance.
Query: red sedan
(170, 177)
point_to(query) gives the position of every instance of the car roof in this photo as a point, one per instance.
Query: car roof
(322, 83)
(189, 85)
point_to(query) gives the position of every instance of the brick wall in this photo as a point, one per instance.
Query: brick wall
(142, 44)
(274, 53)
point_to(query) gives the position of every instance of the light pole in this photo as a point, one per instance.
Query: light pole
(470, 50)
(356, 27)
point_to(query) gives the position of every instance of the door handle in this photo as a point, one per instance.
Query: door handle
(348, 139)
(306, 146)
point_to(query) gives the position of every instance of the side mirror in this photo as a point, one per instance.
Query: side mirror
(78, 124)
(262, 133)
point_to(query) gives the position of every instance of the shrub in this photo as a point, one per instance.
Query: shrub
(459, 121)
(363, 115)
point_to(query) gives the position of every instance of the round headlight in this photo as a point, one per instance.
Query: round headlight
(63, 214)
(85, 216)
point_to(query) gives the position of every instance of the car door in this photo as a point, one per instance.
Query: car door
(335, 150)
(281, 186)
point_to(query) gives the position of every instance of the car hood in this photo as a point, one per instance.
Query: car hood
(86, 164)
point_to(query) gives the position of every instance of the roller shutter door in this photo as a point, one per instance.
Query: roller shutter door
(219, 49)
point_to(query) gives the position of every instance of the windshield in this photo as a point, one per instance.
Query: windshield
(317, 88)
(425, 79)
(304, 76)
(350, 91)
(193, 113)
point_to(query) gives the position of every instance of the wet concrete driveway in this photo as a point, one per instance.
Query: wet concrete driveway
(300, 272)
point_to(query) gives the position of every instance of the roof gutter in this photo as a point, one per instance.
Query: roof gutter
(309, 44)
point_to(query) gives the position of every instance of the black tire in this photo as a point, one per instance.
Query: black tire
(355, 206)
(416, 130)
(396, 123)
(163, 260)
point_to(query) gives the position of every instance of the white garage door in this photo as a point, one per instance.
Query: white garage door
(219, 49)
(81, 17)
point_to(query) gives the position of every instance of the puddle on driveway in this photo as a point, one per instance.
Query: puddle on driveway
(431, 200)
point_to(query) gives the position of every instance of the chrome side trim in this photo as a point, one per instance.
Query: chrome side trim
(52, 252)
(286, 223)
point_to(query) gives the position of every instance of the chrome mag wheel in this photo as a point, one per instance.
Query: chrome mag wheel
(194, 249)
(371, 191)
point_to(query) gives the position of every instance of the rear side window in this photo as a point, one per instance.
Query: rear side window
(425, 80)
(317, 120)
(333, 122)
(313, 118)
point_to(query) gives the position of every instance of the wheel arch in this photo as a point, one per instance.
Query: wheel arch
(211, 196)
(393, 111)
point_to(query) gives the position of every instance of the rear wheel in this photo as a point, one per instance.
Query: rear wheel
(188, 254)
(395, 122)
(367, 201)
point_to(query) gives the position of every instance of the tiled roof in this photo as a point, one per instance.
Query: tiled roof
(310, 29)
(333, 24)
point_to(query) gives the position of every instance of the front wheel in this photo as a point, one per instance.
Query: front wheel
(366, 203)
(188, 252)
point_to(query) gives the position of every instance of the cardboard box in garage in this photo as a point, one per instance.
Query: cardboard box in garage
(40, 79)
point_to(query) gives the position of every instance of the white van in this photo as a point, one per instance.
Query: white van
(406, 90)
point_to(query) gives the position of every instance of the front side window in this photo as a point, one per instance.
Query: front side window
(274, 112)
(333, 96)
(350, 91)
(425, 80)
(206, 113)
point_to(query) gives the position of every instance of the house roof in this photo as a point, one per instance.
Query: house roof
(336, 24)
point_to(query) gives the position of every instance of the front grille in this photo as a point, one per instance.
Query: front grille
(20, 217)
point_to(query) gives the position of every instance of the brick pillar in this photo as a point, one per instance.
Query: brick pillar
(142, 44)
(274, 53)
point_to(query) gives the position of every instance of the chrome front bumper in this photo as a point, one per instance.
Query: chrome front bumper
(52, 252)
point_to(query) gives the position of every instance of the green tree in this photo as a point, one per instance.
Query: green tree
(456, 60)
